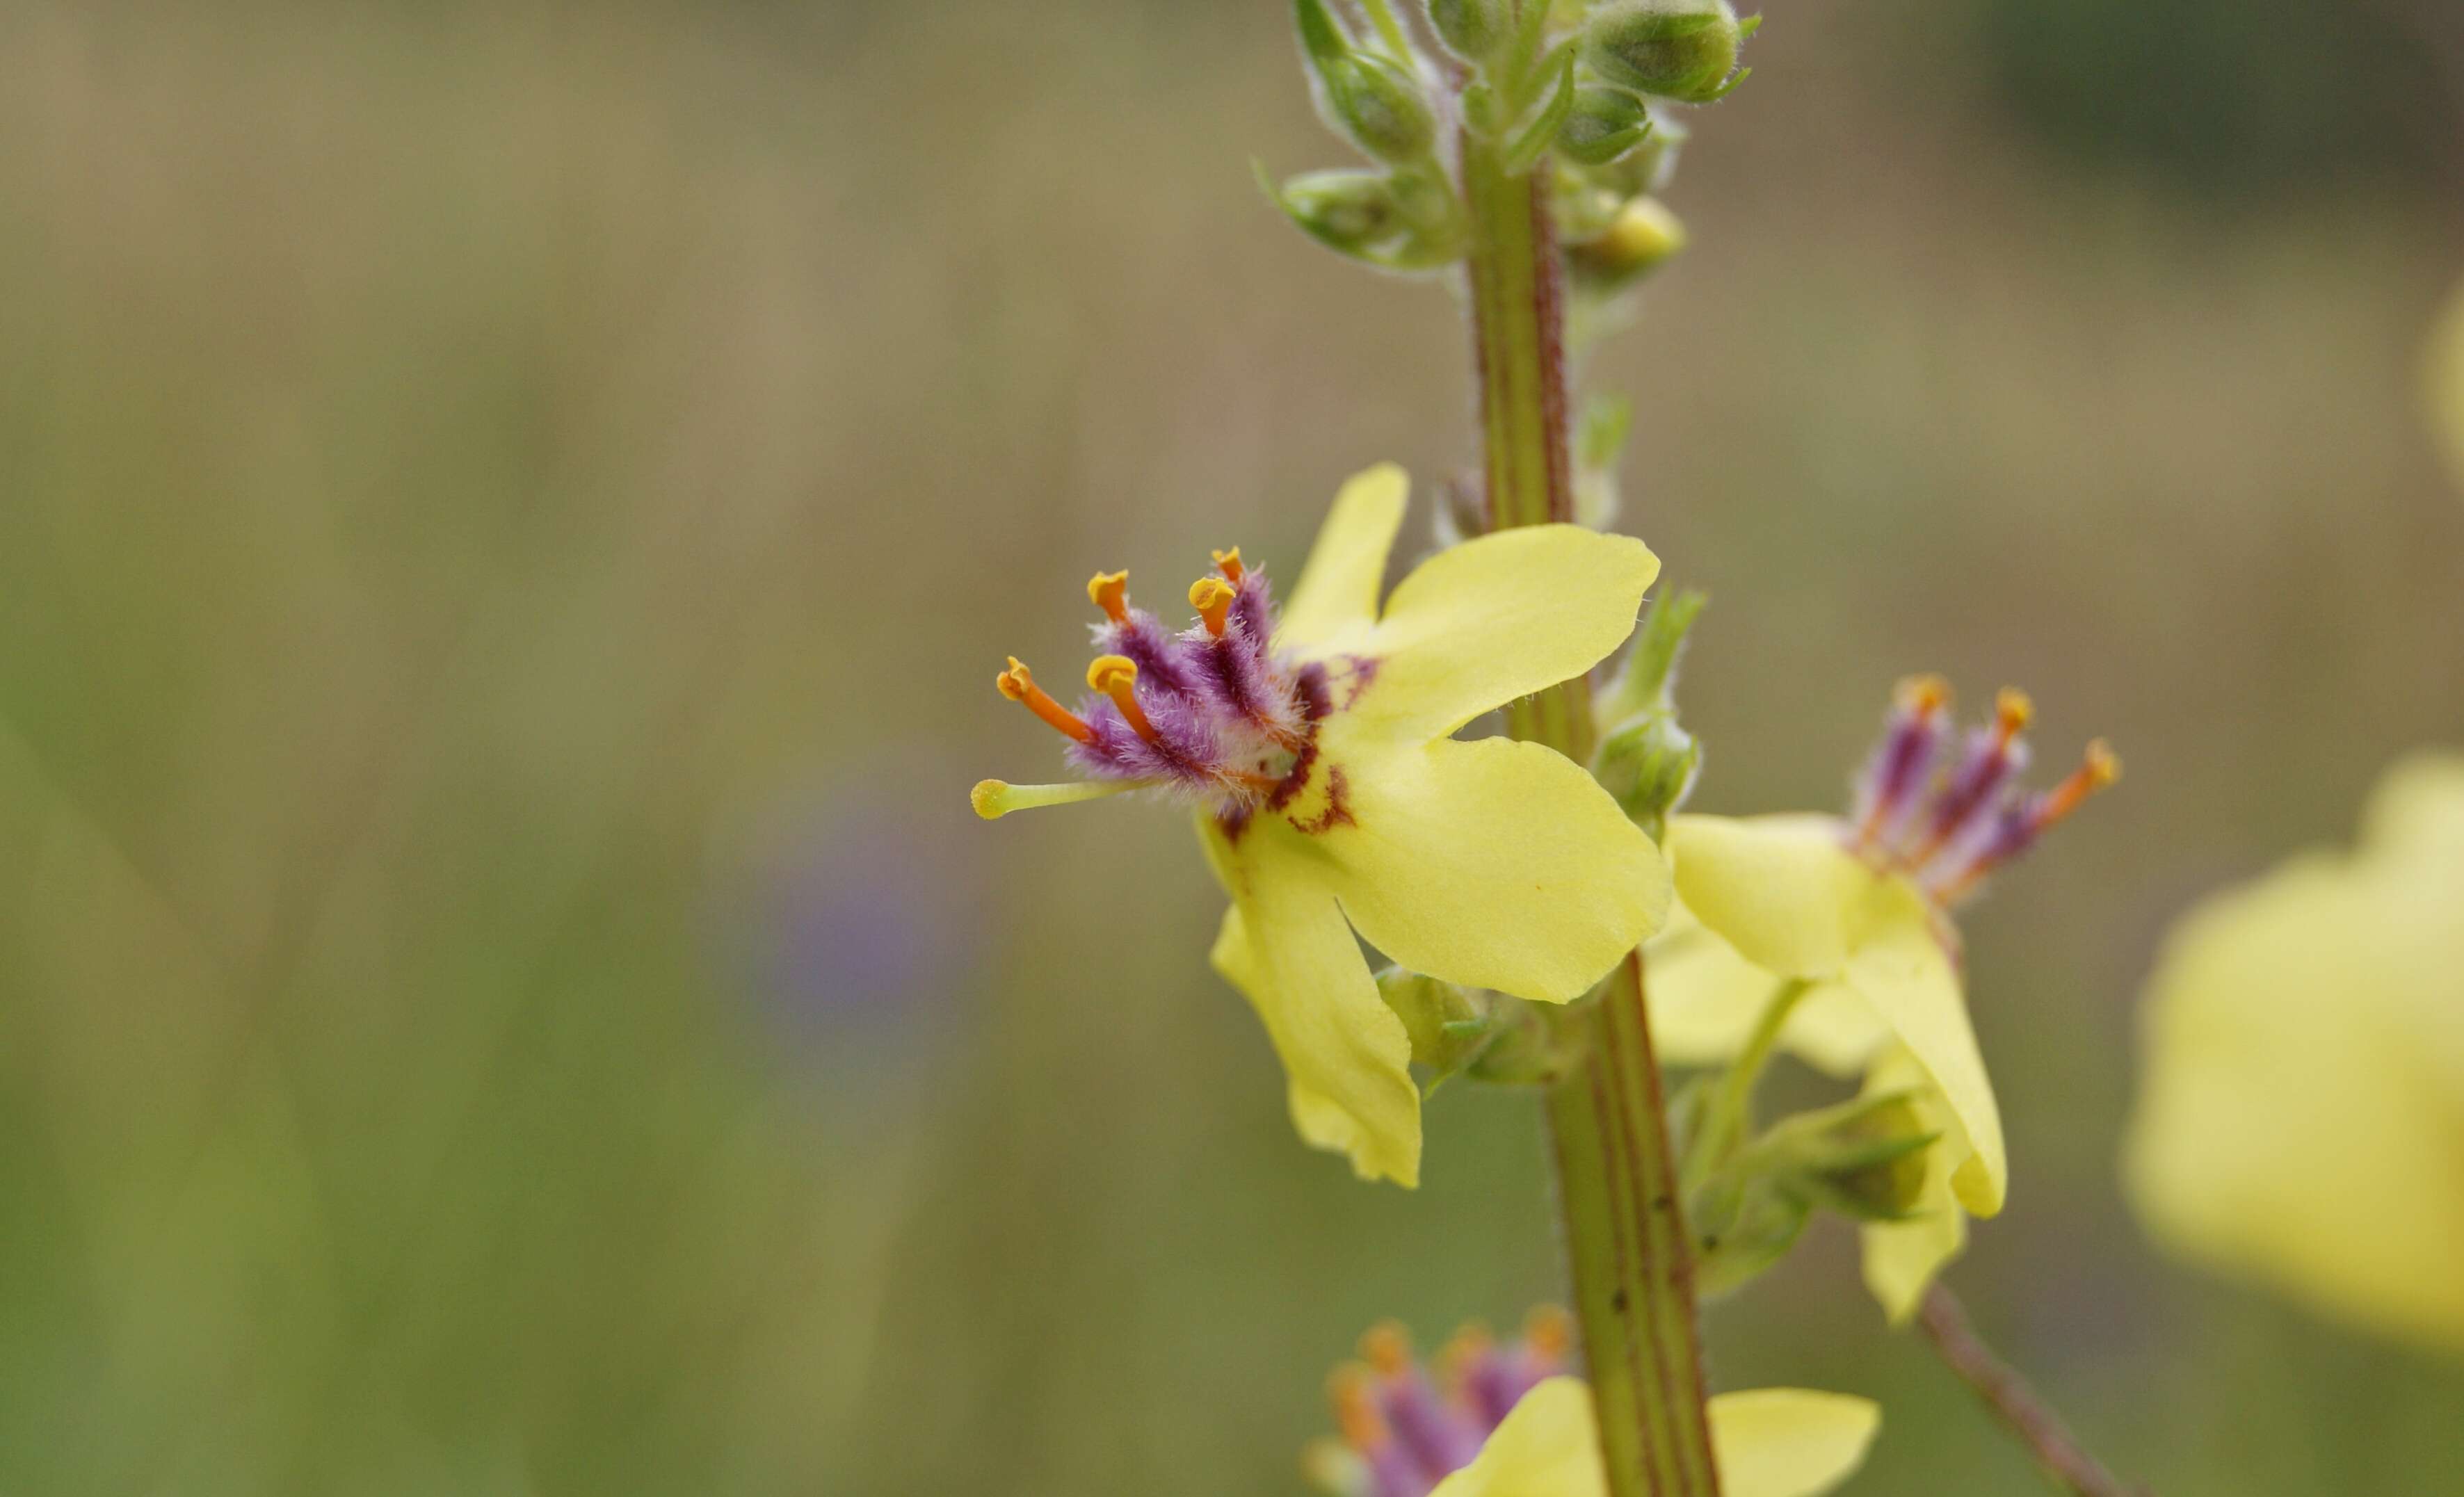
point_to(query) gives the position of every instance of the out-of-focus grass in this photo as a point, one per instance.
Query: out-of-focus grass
(507, 516)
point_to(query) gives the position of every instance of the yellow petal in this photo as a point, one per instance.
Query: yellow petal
(1284, 945)
(1902, 1257)
(1706, 999)
(1480, 624)
(1490, 863)
(1897, 963)
(1773, 1443)
(2302, 1122)
(1335, 598)
(1781, 890)
(1790, 1442)
(1549, 1446)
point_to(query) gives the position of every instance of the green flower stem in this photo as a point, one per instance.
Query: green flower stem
(1624, 1214)
(1731, 1113)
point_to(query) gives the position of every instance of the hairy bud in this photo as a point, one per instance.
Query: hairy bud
(1373, 99)
(1649, 765)
(1352, 211)
(1683, 50)
(1380, 106)
(1473, 29)
(1604, 125)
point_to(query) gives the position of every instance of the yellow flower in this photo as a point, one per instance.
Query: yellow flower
(1773, 1443)
(1331, 796)
(2301, 1123)
(1849, 922)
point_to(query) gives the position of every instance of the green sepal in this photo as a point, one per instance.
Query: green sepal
(1648, 678)
(1448, 1024)
(1863, 1159)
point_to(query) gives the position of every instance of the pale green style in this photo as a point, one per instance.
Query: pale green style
(1773, 1443)
(2302, 1119)
(1489, 863)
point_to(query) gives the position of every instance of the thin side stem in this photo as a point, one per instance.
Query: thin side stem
(1626, 1238)
(2020, 1406)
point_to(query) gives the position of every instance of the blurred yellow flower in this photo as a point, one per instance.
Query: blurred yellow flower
(1333, 797)
(1773, 1443)
(2302, 1122)
(1848, 923)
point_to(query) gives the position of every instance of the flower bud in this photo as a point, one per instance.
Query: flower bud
(1447, 1023)
(1473, 29)
(1649, 763)
(1644, 237)
(1347, 210)
(1864, 1160)
(1605, 124)
(1380, 106)
(1674, 49)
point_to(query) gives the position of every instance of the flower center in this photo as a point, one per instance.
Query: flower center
(1946, 812)
(1406, 1427)
(1209, 710)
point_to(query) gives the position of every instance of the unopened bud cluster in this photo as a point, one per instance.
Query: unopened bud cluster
(1589, 105)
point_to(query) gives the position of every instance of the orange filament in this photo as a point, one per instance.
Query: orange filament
(1549, 1331)
(2012, 712)
(2097, 769)
(1228, 562)
(1211, 598)
(1109, 591)
(1018, 685)
(1923, 695)
(1352, 1389)
(1388, 1348)
(1116, 676)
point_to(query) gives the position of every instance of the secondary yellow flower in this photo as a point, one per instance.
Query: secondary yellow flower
(1506, 1421)
(2302, 1121)
(1848, 922)
(1331, 796)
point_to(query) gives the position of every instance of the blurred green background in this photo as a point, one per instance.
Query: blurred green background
(508, 515)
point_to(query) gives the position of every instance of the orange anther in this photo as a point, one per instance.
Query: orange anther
(1228, 562)
(1018, 685)
(1549, 1331)
(2012, 712)
(1387, 1347)
(1109, 591)
(1352, 1389)
(1116, 676)
(2098, 768)
(1212, 597)
(1922, 694)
